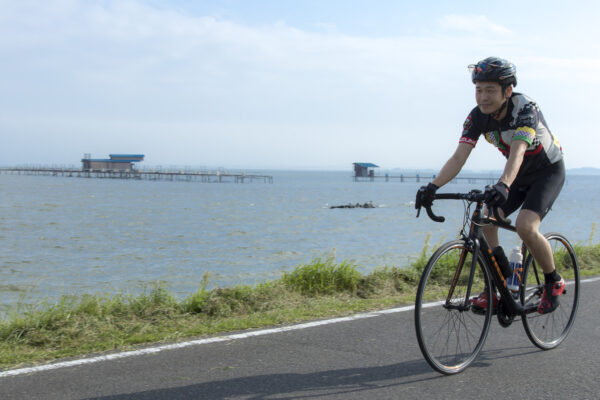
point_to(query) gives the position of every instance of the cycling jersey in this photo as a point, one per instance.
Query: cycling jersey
(524, 121)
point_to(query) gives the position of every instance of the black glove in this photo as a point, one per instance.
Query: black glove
(497, 194)
(425, 196)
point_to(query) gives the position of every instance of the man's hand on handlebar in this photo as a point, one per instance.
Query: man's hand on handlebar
(496, 195)
(425, 196)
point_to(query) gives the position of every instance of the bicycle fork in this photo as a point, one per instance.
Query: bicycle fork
(464, 306)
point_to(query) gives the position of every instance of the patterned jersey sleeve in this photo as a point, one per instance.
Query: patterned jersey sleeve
(470, 133)
(526, 123)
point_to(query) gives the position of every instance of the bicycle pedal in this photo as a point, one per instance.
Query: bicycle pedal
(477, 310)
(481, 311)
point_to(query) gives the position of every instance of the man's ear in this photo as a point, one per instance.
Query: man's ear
(508, 92)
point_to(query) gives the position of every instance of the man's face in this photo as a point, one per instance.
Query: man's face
(489, 96)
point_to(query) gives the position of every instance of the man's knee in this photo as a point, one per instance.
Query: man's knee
(525, 231)
(527, 224)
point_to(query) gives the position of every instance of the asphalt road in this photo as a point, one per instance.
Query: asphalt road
(369, 358)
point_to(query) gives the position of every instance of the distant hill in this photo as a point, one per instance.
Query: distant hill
(431, 172)
(583, 171)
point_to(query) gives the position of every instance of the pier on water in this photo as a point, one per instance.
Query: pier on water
(365, 171)
(421, 178)
(153, 175)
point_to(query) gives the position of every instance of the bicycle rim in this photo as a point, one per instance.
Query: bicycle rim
(549, 330)
(450, 339)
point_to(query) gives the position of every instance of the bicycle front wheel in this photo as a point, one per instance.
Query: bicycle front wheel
(450, 334)
(547, 331)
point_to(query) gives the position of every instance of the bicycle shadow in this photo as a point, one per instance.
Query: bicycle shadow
(486, 357)
(290, 386)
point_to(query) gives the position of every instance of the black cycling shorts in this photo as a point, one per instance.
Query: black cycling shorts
(536, 191)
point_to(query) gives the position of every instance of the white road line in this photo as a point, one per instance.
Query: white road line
(152, 350)
(226, 338)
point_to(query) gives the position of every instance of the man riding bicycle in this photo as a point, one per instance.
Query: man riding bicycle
(533, 175)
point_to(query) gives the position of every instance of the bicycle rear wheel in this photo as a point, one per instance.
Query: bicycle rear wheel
(450, 335)
(549, 330)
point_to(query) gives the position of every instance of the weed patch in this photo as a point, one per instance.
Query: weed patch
(321, 288)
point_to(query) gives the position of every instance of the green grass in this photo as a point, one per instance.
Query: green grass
(322, 288)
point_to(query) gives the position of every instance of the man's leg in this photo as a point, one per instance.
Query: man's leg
(491, 236)
(491, 232)
(528, 225)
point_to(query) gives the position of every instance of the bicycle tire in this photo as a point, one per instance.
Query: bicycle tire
(547, 331)
(450, 339)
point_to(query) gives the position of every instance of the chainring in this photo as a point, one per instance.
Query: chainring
(504, 317)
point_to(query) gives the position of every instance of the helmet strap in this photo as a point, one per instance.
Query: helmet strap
(496, 115)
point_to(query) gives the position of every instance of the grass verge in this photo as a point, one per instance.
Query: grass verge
(322, 288)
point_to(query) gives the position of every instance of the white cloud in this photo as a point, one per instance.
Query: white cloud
(552, 69)
(476, 24)
(138, 71)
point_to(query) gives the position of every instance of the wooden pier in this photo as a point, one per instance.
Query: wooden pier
(365, 172)
(153, 175)
(419, 178)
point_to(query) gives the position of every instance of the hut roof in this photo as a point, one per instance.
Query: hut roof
(366, 165)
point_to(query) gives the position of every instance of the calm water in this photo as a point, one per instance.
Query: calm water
(73, 235)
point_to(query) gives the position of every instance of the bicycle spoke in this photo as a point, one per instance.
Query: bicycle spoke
(450, 337)
(549, 330)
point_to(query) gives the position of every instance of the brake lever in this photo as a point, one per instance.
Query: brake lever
(499, 218)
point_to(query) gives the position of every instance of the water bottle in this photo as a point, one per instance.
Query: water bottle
(516, 265)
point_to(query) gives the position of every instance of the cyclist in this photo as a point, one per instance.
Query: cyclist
(533, 175)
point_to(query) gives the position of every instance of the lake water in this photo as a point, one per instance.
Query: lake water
(74, 235)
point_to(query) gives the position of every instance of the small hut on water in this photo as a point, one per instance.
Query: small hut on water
(116, 162)
(364, 170)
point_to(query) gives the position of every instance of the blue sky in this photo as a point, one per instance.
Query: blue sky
(283, 84)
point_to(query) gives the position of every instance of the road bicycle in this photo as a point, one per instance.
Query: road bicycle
(451, 332)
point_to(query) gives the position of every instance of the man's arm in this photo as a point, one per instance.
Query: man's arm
(515, 159)
(454, 164)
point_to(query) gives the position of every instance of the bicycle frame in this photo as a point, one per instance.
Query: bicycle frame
(477, 244)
